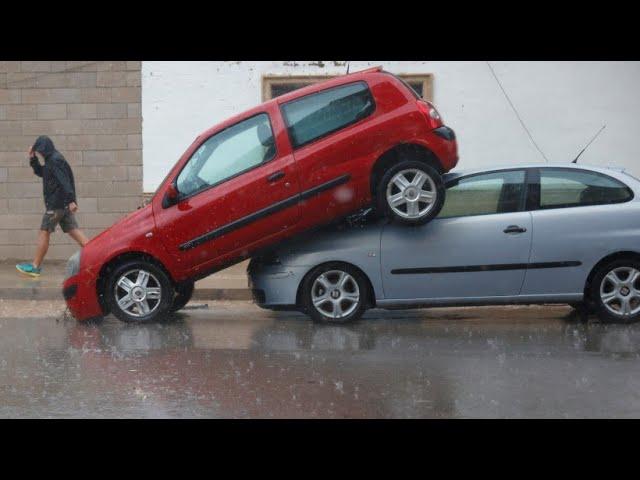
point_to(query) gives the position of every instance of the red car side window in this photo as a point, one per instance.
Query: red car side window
(319, 114)
(227, 154)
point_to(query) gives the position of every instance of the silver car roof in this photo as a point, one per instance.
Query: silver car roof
(612, 170)
(327, 234)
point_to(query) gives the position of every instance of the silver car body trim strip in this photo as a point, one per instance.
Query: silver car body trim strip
(484, 268)
(478, 301)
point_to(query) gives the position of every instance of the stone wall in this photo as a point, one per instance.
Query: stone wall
(92, 112)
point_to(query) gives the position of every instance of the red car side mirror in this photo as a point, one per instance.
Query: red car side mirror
(172, 192)
(171, 196)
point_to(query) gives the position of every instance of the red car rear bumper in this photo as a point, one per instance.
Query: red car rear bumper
(445, 147)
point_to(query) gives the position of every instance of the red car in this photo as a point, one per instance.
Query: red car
(295, 162)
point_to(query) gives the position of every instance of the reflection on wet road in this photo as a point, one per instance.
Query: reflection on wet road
(235, 360)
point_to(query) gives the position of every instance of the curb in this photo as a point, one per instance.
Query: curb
(233, 294)
(35, 293)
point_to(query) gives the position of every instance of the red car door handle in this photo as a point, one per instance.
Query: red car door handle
(274, 177)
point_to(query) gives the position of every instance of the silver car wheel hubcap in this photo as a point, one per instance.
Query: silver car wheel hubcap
(411, 193)
(335, 294)
(138, 293)
(619, 293)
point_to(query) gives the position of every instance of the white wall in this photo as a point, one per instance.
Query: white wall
(562, 103)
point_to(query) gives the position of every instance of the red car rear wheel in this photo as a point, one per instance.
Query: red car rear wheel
(411, 192)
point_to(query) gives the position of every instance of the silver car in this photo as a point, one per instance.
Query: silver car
(530, 234)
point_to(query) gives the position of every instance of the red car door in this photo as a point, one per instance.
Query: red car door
(239, 187)
(334, 147)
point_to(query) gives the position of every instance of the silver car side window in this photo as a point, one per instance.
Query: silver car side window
(563, 188)
(485, 194)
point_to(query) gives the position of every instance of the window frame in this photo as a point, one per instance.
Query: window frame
(523, 195)
(268, 80)
(534, 192)
(331, 132)
(182, 196)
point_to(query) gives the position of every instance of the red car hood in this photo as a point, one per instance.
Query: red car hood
(128, 224)
(127, 233)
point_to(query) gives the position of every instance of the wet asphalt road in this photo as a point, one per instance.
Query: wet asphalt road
(237, 361)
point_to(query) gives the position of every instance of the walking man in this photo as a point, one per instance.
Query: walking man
(59, 192)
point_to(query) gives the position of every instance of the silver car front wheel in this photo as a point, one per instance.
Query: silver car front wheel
(335, 293)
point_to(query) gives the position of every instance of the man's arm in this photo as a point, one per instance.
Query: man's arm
(35, 164)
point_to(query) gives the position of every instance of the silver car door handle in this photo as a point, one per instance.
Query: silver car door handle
(514, 229)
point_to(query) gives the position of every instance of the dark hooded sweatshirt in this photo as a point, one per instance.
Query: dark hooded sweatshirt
(58, 186)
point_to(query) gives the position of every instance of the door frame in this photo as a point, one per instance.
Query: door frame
(205, 140)
(529, 179)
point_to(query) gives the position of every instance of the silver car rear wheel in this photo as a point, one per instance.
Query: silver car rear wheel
(620, 291)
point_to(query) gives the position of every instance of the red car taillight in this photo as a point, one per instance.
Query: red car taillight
(434, 120)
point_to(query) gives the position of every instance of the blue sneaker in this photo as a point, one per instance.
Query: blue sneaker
(28, 269)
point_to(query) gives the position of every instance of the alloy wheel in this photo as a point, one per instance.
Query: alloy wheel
(411, 193)
(335, 294)
(619, 291)
(138, 292)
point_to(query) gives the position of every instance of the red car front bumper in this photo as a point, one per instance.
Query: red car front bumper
(81, 296)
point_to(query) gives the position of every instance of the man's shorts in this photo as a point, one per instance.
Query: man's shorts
(64, 217)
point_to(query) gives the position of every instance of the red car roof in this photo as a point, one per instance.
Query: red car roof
(331, 82)
(301, 92)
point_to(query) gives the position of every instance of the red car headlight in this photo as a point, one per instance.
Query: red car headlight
(73, 265)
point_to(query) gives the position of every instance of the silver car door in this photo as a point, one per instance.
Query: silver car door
(478, 246)
(582, 216)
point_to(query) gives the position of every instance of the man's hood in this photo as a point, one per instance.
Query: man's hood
(44, 145)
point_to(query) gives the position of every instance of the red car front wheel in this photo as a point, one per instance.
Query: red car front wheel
(138, 291)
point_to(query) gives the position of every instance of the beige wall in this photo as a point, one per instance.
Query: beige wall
(92, 112)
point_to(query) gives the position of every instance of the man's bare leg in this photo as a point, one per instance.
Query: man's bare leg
(41, 249)
(78, 236)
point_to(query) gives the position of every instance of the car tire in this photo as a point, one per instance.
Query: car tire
(583, 307)
(344, 289)
(615, 290)
(184, 292)
(133, 300)
(401, 189)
